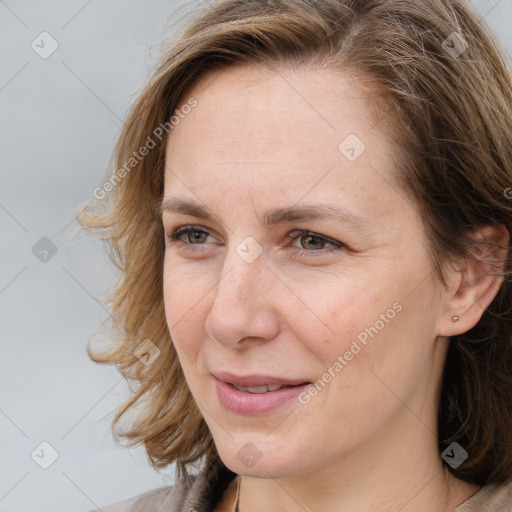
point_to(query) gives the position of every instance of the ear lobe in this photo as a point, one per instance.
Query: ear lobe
(477, 282)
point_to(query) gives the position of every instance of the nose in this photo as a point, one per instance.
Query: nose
(245, 306)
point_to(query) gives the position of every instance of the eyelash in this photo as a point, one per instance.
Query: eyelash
(175, 238)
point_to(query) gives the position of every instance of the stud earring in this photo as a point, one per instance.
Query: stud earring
(455, 318)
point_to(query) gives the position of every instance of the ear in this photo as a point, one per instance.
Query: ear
(474, 284)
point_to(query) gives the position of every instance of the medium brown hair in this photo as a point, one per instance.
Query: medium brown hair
(452, 119)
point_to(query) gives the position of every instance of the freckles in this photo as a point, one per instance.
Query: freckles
(188, 358)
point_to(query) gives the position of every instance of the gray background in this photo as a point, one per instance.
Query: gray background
(59, 119)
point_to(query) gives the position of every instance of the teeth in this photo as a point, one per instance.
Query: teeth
(259, 389)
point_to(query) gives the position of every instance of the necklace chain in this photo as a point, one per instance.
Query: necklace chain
(238, 494)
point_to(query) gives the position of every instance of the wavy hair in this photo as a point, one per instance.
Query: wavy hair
(441, 76)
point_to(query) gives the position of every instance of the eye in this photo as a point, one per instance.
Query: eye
(197, 236)
(193, 235)
(314, 241)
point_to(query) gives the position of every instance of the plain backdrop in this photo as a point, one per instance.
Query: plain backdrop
(69, 70)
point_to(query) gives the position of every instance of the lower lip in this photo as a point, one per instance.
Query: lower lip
(255, 403)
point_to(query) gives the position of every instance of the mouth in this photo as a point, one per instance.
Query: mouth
(258, 383)
(256, 394)
(265, 388)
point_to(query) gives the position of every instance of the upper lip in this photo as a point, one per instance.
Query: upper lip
(255, 380)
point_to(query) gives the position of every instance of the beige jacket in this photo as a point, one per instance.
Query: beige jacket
(203, 492)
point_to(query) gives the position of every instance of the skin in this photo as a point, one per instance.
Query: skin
(261, 139)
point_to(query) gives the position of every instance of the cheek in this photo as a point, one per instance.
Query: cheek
(333, 313)
(377, 353)
(185, 313)
(184, 288)
(363, 337)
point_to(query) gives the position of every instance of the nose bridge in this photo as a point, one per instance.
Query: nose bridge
(244, 268)
(238, 282)
(241, 309)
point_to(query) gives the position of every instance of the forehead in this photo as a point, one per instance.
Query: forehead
(256, 130)
(258, 103)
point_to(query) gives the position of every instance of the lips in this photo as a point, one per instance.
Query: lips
(255, 400)
(259, 389)
(257, 383)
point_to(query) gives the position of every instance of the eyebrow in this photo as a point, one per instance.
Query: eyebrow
(273, 216)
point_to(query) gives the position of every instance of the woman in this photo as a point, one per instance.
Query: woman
(311, 211)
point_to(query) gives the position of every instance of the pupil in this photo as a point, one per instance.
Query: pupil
(309, 238)
(197, 236)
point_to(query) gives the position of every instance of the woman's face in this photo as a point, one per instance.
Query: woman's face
(352, 307)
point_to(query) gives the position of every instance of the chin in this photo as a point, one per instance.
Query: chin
(252, 459)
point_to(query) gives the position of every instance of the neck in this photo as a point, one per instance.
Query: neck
(384, 475)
